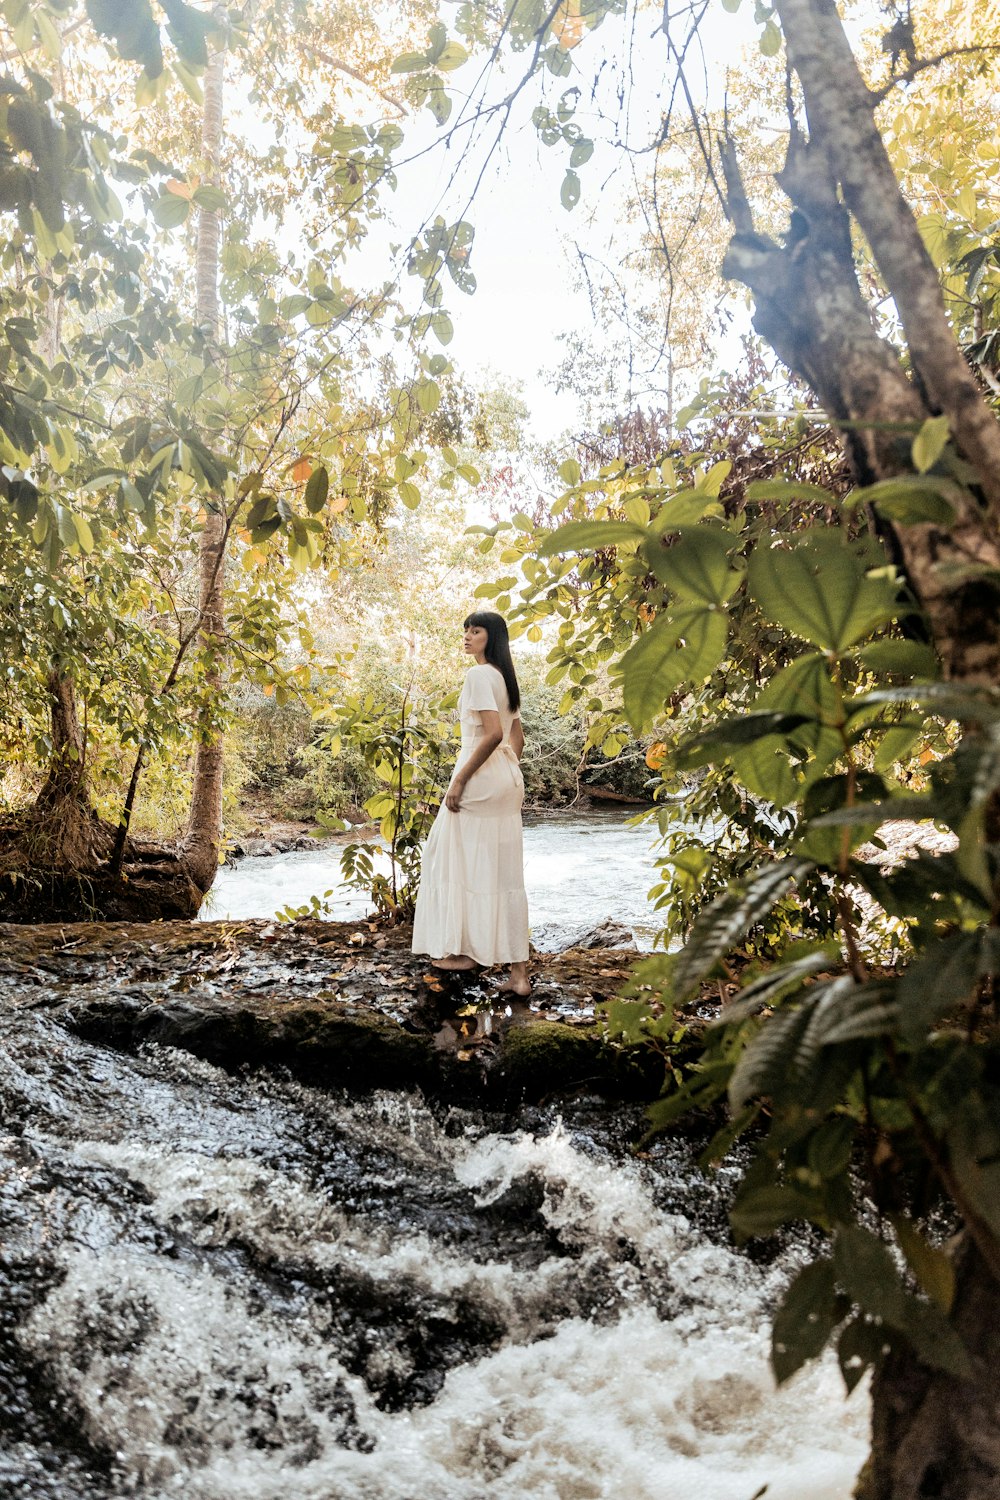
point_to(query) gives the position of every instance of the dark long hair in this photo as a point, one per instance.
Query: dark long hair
(497, 651)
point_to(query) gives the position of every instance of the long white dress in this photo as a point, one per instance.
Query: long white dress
(471, 897)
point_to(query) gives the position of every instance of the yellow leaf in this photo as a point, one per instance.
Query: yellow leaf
(301, 470)
(656, 755)
(339, 505)
(180, 189)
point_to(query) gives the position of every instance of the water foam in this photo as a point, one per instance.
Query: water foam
(196, 1332)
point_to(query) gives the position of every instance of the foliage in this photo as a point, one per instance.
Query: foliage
(408, 748)
(848, 1058)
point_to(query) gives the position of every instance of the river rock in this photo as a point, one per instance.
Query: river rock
(261, 848)
(607, 934)
(337, 1005)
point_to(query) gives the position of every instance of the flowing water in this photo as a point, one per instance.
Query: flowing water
(579, 870)
(225, 1288)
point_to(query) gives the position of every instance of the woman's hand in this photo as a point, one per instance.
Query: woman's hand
(453, 796)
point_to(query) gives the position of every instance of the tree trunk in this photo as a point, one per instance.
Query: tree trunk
(811, 310)
(929, 1438)
(200, 847)
(932, 1435)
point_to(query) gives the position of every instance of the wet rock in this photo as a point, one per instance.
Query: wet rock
(334, 1004)
(259, 848)
(607, 934)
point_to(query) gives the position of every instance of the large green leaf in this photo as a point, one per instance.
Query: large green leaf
(589, 536)
(861, 1345)
(818, 588)
(697, 565)
(780, 767)
(806, 1319)
(867, 1270)
(730, 734)
(762, 1210)
(912, 499)
(943, 979)
(719, 927)
(682, 646)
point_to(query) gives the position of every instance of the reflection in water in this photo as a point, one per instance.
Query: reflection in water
(579, 870)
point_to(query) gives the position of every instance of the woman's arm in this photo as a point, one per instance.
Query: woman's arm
(517, 738)
(491, 736)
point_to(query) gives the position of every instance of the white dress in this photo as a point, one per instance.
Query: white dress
(471, 897)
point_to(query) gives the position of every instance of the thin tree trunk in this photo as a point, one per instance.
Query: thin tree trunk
(204, 832)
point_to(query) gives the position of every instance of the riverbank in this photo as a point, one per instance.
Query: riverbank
(337, 1005)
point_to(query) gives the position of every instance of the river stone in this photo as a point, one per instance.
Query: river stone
(607, 934)
(337, 1005)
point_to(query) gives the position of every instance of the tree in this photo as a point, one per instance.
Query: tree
(239, 435)
(895, 1073)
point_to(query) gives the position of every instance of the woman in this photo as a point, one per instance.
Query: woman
(471, 908)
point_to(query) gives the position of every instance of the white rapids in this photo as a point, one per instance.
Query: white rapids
(258, 1291)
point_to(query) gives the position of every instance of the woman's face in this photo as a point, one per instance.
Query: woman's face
(474, 640)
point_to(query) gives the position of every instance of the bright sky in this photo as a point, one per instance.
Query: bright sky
(529, 290)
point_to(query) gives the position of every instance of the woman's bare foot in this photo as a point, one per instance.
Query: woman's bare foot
(518, 983)
(454, 961)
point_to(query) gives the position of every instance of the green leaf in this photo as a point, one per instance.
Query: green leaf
(696, 566)
(569, 193)
(819, 589)
(895, 746)
(787, 490)
(569, 471)
(317, 490)
(765, 1209)
(900, 658)
(861, 1345)
(933, 1269)
(84, 535)
(731, 5)
(409, 494)
(806, 1319)
(939, 982)
(170, 210)
(453, 56)
(409, 62)
(589, 536)
(831, 1147)
(766, 989)
(428, 394)
(867, 1271)
(768, 1063)
(770, 40)
(443, 328)
(912, 499)
(684, 646)
(718, 928)
(929, 443)
(729, 734)
(780, 767)
(210, 198)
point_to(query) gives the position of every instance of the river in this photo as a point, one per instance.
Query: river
(218, 1287)
(579, 869)
(239, 1288)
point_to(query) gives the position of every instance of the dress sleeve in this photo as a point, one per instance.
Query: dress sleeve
(480, 692)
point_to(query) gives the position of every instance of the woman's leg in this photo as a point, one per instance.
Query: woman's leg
(518, 983)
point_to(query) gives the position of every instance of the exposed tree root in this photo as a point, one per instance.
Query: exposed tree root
(55, 867)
